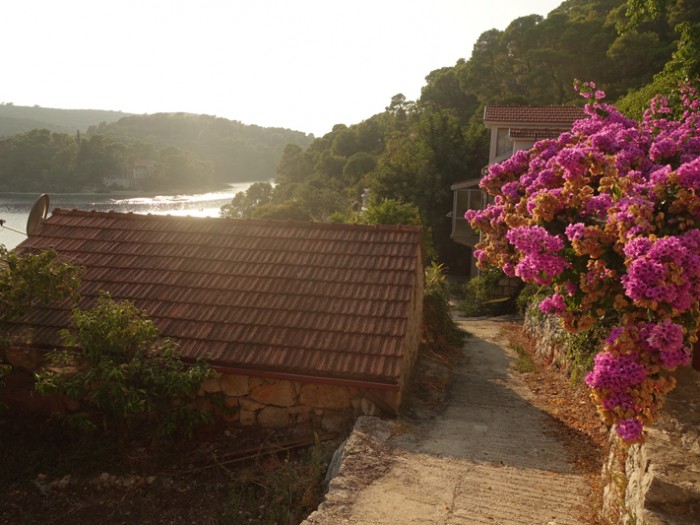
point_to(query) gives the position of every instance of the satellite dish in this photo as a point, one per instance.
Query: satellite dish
(38, 213)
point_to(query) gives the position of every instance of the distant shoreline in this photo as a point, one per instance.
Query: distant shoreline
(137, 193)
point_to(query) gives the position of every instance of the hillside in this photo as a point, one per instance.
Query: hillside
(20, 119)
(161, 152)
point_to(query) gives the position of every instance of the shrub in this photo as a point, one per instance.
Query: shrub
(116, 366)
(608, 216)
(31, 279)
(482, 294)
(438, 326)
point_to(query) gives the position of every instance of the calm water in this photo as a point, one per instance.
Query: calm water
(15, 207)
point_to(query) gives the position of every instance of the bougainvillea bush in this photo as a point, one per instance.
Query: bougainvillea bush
(607, 216)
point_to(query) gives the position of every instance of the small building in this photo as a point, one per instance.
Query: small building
(304, 322)
(512, 128)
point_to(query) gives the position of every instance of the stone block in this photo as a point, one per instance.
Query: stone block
(368, 408)
(336, 423)
(246, 418)
(300, 414)
(230, 402)
(231, 417)
(273, 417)
(280, 393)
(24, 358)
(324, 396)
(211, 385)
(255, 382)
(249, 404)
(234, 385)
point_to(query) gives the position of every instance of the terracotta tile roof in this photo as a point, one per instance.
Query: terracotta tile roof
(327, 300)
(534, 133)
(564, 115)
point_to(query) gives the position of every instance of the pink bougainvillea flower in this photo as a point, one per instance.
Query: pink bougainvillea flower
(608, 216)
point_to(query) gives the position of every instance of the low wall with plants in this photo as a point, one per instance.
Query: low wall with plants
(654, 482)
(279, 403)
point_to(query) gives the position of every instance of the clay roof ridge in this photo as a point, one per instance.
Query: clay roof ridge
(267, 326)
(395, 268)
(281, 279)
(262, 222)
(45, 323)
(560, 114)
(289, 294)
(318, 347)
(381, 379)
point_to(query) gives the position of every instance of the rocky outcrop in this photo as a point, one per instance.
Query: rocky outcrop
(359, 461)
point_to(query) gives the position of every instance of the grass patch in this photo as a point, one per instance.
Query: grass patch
(524, 363)
(278, 490)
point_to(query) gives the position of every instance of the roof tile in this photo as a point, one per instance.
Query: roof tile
(327, 300)
(564, 115)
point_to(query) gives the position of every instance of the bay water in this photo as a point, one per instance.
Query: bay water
(15, 207)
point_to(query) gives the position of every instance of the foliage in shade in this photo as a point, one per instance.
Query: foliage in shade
(31, 279)
(439, 330)
(117, 367)
(608, 216)
(179, 151)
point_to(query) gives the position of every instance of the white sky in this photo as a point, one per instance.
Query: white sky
(298, 64)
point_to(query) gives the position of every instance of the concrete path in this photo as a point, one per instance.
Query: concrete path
(489, 457)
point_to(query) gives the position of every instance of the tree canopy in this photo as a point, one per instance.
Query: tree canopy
(178, 151)
(415, 150)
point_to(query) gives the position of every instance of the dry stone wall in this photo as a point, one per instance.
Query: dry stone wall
(280, 403)
(657, 483)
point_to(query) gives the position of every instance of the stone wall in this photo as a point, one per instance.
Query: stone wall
(238, 399)
(548, 334)
(412, 337)
(657, 483)
(280, 403)
(663, 474)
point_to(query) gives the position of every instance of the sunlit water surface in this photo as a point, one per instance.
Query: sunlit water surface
(15, 207)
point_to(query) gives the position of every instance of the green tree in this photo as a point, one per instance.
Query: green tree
(443, 90)
(290, 210)
(115, 364)
(391, 211)
(294, 166)
(357, 166)
(244, 202)
(29, 280)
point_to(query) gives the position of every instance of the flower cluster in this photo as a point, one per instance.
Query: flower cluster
(608, 216)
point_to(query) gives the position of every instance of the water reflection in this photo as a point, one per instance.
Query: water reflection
(15, 207)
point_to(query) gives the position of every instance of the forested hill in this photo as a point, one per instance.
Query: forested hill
(415, 150)
(161, 152)
(20, 119)
(233, 152)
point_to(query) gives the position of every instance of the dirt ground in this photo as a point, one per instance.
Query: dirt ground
(505, 447)
(477, 443)
(223, 477)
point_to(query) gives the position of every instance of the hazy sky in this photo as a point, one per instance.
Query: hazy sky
(298, 64)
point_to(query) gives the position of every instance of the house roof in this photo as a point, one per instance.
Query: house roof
(323, 300)
(534, 133)
(564, 115)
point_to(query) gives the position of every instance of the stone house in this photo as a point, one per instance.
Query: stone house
(512, 128)
(303, 322)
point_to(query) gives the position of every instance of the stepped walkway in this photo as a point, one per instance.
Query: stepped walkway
(488, 457)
